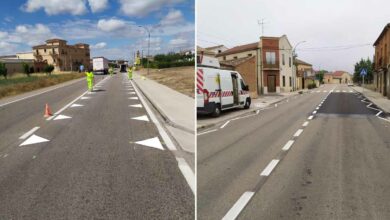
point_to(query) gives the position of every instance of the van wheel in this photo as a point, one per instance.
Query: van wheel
(217, 111)
(247, 104)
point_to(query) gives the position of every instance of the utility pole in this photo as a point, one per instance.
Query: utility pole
(148, 45)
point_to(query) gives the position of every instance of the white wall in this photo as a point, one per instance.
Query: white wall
(286, 70)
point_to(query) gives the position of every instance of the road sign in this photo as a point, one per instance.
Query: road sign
(363, 72)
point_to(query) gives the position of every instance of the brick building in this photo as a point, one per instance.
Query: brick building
(382, 62)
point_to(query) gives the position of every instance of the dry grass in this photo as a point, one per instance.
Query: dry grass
(19, 84)
(180, 79)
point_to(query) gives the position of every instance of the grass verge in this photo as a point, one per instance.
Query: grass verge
(15, 86)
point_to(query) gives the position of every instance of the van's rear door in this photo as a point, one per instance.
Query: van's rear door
(200, 83)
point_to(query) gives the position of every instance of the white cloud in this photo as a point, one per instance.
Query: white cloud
(98, 5)
(7, 48)
(140, 8)
(3, 34)
(173, 17)
(111, 24)
(30, 34)
(54, 7)
(178, 42)
(100, 45)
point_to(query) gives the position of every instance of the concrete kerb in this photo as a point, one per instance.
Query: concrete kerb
(161, 112)
(206, 126)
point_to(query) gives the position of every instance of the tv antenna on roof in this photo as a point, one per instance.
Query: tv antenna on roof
(261, 24)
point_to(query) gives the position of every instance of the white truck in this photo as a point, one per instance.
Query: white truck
(100, 65)
(217, 89)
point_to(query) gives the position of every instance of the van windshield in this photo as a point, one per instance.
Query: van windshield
(243, 85)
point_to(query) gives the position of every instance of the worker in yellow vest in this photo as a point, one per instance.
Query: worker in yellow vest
(90, 79)
(111, 71)
(130, 73)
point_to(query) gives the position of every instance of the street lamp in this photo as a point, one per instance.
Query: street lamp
(293, 54)
(148, 45)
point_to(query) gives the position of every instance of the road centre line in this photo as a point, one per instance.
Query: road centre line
(310, 117)
(238, 206)
(206, 132)
(287, 146)
(268, 169)
(298, 132)
(305, 123)
(225, 124)
(28, 133)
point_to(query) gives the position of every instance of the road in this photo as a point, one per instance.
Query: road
(320, 155)
(100, 157)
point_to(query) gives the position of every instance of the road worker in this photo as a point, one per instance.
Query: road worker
(111, 71)
(90, 79)
(130, 73)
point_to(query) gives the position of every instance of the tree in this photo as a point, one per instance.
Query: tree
(26, 69)
(3, 70)
(359, 66)
(48, 69)
(320, 75)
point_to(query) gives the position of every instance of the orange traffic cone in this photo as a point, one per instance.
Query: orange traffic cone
(47, 111)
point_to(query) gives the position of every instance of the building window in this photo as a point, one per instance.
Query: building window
(44, 50)
(283, 61)
(235, 58)
(289, 61)
(249, 54)
(284, 81)
(270, 57)
(290, 81)
(224, 57)
(219, 51)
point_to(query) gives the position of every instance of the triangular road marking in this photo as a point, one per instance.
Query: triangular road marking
(85, 97)
(152, 142)
(76, 105)
(135, 98)
(141, 118)
(131, 93)
(59, 117)
(136, 106)
(34, 139)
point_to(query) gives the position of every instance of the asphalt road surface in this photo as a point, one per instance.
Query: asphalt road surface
(320, 155)
(100, 157)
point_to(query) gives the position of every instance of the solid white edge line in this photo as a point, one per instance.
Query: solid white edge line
(225, 124)
(287, 146)
(163, 133)
(268, 169)
(187, 172)
(206, 132)
(28, 133)
(74, 100)
(39, 93)
(238, 206)
(298, 132)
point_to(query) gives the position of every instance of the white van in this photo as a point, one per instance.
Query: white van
(218, 90)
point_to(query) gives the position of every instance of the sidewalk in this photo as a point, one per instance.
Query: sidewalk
(177, 109)
(206, 121)
(375, 97)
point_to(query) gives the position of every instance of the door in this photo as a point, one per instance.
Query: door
(303, 83)
(271, 81)
(235, 88)
(385, 83)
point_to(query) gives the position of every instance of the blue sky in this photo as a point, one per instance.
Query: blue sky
(109, 26)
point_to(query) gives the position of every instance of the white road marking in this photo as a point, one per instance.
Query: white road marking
(238, 206)
(83, 98)
(206, 132)
(337, 90)
(34, 157)
(325, 91)
(267, 171)
(163, 133)
(318, 91)
(141, 118)
(131, 93)
(276, 105)
(136, 106)
(5, 155)
(380, 112)
(60, 117)
(187, 173)
(28, 133)
(299, 132)
(151, 142)
(76, 105)
(305, 123)
(314, 112)
(34, 139)
(225, 124)
(134, 98)
(257, 112)
(344, 91)
(310, 117)
(287, 146)
(39, 93)
(318, 108)
(350, 91)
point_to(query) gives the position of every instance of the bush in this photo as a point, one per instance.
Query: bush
(312, 86)
(48, 69)
(3, 70)
(26, 69)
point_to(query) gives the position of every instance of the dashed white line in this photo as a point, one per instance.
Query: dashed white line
(380, 112)
(267, 171)
(298, 132)
(225, 124)
(238, 206)
(28, 133)
(314, 112)
(310, 117)
(305, 123)
(317, 108)
(287, 146)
